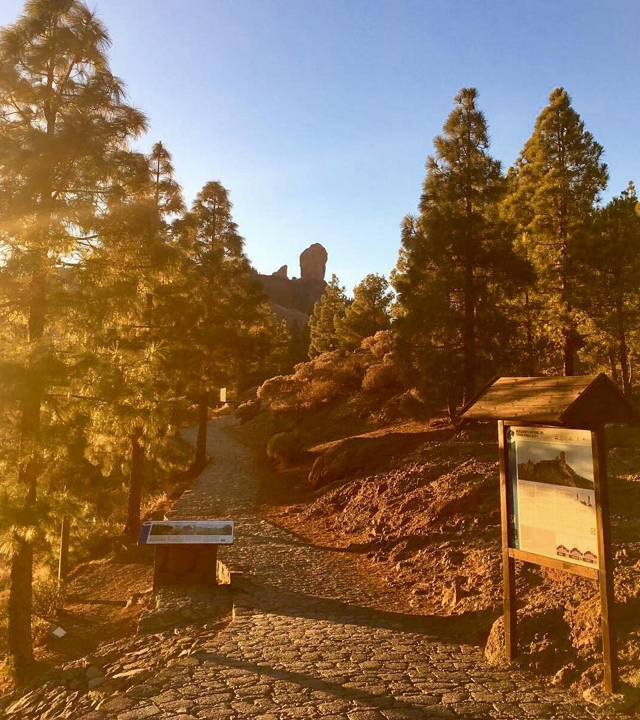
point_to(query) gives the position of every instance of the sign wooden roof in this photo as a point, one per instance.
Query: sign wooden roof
(587, 401)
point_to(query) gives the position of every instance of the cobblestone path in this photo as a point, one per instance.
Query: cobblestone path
(308, 639)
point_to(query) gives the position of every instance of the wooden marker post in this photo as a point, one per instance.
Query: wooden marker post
(63, 562)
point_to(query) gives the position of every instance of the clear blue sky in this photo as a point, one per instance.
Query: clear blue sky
(318, 115)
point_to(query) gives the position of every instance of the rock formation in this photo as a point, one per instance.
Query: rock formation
(282, 272)
(298, 294)
(313, 262)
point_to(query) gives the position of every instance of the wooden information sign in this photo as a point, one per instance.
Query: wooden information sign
(186, 551)
(553, 484)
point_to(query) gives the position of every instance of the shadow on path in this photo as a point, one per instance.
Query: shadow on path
(377, 700)
(276, 601)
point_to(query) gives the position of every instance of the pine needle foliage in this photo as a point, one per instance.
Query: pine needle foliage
(557, 181)
(369, 312)
(455, 263)
(325, 320)
(611, 298)
(64, 128)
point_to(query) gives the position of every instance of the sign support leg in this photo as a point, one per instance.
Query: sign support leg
(508, 563)
(607, 599)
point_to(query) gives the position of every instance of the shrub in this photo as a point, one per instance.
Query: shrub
(48, 598)
(319, 392)
(412, 406)
(381, 378)
(380, 344)
(280, 393)
(285, 448)
(248, 410)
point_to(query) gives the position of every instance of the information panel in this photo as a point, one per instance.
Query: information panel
(187, 532)
(554, 506)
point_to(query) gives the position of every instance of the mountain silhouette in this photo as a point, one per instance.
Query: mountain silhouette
(553, 472)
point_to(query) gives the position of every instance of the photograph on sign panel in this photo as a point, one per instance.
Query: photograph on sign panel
(556, 507)
(195, 532)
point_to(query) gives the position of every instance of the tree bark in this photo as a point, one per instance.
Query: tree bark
(613, 367)
(201, 443)
(136, 478)
(568, 352)
(469, 331)
(21, 576)
(531, 361)
(623, 351)
(19, 610)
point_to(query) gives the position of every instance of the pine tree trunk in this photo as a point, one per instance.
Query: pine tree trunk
(613, 367)
(623, 352)
(135, 485)
(21, 576)
(531, 362)
(568, 352)
(19, 610)
(201, 442)
(469, 334)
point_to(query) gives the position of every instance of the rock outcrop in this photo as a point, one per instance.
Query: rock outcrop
(313, 262)
(282, 272)
(293, 298)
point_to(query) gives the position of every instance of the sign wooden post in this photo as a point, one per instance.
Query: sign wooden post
(554, 496)
(63, 561)
(609, 640)
(508, 563)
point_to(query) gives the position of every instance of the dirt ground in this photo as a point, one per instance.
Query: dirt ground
(418, 504)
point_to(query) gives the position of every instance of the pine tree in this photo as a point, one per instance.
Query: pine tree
(327, 314)
(368, 313)
(453, 258)
(557, 180)
(611, 264)
(226, 322)
(129, 278)
(64, 125)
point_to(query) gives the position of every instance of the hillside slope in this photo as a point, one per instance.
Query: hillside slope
(420, 500)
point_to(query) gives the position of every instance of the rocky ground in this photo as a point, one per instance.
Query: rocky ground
(313, 634)
(420, 501)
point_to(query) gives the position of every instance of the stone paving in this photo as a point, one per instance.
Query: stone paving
(310, 638)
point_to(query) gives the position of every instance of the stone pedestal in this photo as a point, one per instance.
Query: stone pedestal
(186, 565)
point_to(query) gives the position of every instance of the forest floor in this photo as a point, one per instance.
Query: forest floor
(104, 595)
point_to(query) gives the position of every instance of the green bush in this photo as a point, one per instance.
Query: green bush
(285, 448)
(248, 410)
(380, 344)
(382, 378)
(280, 393)
(319, 392)
(411, 405)
(48, 598)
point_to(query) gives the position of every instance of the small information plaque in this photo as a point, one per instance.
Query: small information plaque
(187, 532)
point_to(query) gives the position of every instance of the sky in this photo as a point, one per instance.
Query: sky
(318, 115)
